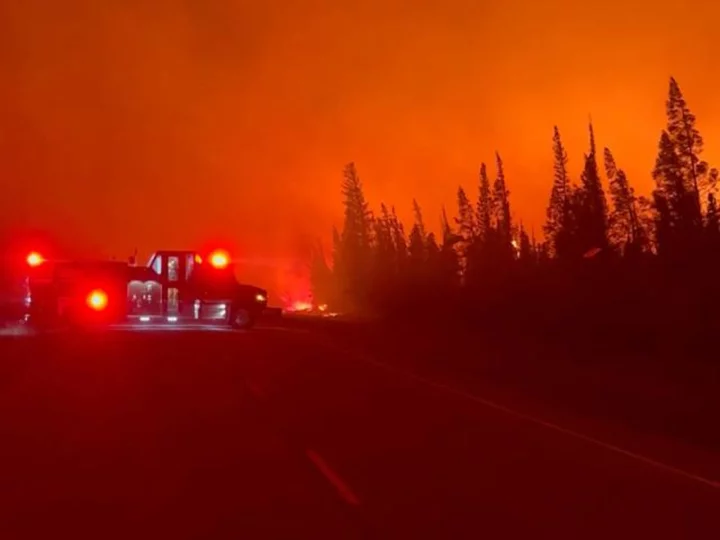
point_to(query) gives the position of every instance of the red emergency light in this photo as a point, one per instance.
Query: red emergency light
(34, 259)
(97, 300)
(219, 259)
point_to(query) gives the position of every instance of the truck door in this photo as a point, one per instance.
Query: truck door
(175, 277)
(170, 268)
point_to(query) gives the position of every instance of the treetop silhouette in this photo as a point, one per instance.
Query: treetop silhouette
(481, 251)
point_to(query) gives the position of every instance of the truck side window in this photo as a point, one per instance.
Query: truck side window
(189, 264)
(173, 267)
(157, 265)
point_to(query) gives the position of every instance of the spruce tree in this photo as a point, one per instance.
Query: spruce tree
(624, 220)
(501, 198)
(418, 237)
(465, 219)
(688, 144)
(419, 221)
(484, 206)
(355, 238)
(678, 206)
(449, 259)
(558, 221)
(592, 213)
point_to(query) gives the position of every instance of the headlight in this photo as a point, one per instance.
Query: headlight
(259, 297)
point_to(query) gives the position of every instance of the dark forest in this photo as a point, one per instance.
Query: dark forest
(607, 256)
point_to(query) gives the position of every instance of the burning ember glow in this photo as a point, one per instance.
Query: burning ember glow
(304, 307)
(299, 305)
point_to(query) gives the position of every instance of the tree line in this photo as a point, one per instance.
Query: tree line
(602, 242)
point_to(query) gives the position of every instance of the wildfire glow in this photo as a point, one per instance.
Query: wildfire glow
(305, 307)
(300, 305)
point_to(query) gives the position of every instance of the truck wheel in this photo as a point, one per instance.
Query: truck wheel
(242, 319)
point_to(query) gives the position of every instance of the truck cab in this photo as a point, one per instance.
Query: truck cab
(185, 286)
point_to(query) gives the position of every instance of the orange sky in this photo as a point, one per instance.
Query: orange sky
(134, 123)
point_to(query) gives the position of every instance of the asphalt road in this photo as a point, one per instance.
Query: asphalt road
(282, 433)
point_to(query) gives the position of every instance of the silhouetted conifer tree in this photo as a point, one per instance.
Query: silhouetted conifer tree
(626, 229)
(591, 206)
(419, 221)
(688, 145)
(484, 206)
(467, 230)
(678, 217)
(525, 248)
(417, 245)
(466, 218)
(558, 225)
(355, 239)
(400, 241)
(433, 266)
(447, 231)
(449, 259)
(385, 258)
(501, 206)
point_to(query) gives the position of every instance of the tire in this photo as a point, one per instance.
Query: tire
(242, 319)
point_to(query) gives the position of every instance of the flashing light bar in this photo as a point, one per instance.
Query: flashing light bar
(35, 259)
(97, 300)
(219, 259)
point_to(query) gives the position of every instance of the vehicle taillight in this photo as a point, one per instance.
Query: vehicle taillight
(97, 300)
(219, 259)
(35, 259)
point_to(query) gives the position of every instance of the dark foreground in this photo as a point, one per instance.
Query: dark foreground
(283, 432)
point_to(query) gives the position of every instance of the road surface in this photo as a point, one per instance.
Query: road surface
(283, 433)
